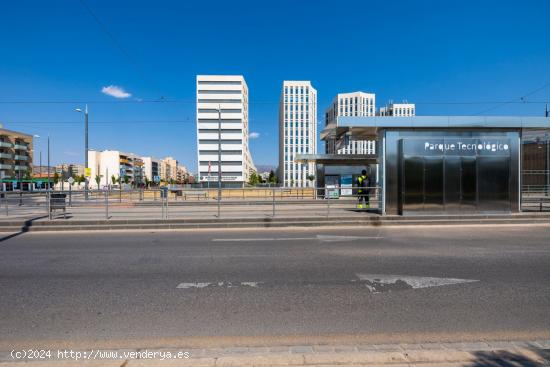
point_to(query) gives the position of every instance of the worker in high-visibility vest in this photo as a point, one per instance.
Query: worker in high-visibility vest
(363, 183)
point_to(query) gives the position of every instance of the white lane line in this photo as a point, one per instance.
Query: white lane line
(200, 285)
(192, 285)
(331, 238)
(413, 281)
(320, 237)
(263, 239)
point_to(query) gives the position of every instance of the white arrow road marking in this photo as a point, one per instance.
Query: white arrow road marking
(218, 284)
(380, 282)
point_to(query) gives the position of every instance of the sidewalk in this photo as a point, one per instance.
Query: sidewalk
(532, 353)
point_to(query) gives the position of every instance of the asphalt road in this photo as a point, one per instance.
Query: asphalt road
(261, 285)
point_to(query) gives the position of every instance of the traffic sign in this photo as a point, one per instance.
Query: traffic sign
(156, 179)
(88, 172)
(70, 181)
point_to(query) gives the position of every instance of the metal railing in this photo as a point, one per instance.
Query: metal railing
(190, 203)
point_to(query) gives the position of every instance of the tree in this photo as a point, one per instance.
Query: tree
(113, 179)
(126, 179)
(98, 180)
(311, 178)
(56, 178)
(272, 179)
(80, 179)
(254, 179)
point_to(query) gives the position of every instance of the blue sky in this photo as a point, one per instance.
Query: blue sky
(434, 53)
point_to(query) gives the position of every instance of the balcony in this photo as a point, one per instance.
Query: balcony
(124, 161)
(21, 158)
(20, 147)
(21, 168)
(6, 166)
(6, 155)
(6, 144)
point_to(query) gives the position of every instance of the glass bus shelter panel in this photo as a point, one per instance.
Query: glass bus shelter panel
(468, 184)
(494, 183)
(413, 176)
(464, 176)
(453, 184)
(433, 184)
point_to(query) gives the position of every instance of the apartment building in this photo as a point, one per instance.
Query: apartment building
(66, 170)
(113, 163)
(182, 175)
(223, 99)
(297, 132)
(398, 110)
(169, 169)
(151, 168)
(358, 104)
(16, 152)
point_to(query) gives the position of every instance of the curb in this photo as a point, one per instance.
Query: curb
(531, 353)
(267, 222)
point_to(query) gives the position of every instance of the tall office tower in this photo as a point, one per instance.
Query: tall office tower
(297, 132)
(350, 104)
(230, 94)
(398, 110)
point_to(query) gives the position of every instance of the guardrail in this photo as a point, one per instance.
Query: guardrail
(191, 202)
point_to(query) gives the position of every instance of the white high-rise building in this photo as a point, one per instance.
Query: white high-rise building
(230, 94)
(297, 132)
(350, 104)
(398, 110)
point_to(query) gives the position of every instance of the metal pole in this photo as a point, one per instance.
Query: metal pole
(219, 156)
(48, 204)
(70, 195)
(107, 204)
(328, 202)
(273, 202)
(86, 150)
(6, 198)
(547, 163)
(49, 162)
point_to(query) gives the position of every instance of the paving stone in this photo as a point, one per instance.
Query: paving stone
(354, 358)
(323, 348)
(260, 361)
(301, 349)
(191, 362)
(475, 346)
(279, 349)
(236, 350)
(345, 348)
(432, 346)
(389, 347)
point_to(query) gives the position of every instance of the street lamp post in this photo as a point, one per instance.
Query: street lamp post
(40, 162)
(85, 146)
(219, 156)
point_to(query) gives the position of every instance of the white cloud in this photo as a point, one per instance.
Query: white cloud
(115, 91)
(254, 135)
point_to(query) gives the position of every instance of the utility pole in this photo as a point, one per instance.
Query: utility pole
(219, 156)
